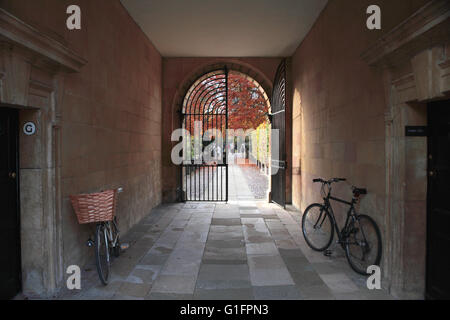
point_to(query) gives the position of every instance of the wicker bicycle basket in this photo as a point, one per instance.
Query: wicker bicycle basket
(94, 207)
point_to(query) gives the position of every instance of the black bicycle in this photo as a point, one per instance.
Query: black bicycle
(360, 237)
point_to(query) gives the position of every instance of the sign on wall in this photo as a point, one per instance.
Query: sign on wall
(29, 128)
(416, 131)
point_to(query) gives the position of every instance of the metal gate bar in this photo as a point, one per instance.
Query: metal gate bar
(206, 102)
(278, 119)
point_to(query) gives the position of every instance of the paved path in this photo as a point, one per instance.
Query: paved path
(245, 249)
(257, 182)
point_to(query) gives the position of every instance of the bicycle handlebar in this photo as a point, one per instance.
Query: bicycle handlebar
(357, 192)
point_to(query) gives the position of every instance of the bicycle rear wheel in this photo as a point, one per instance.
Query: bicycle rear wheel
(317, 227)
(102, 257)
(363, 246)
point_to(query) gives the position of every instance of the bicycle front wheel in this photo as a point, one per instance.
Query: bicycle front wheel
(102, 257)
(363, 246)
(317, 227)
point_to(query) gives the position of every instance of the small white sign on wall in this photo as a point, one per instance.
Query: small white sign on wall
(29, 128)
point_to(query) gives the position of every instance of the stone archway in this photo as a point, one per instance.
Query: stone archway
(174, 96)
(208, 102)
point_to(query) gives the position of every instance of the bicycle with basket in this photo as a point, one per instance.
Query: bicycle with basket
(99, 208)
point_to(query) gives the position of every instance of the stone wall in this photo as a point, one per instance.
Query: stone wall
(339, 107)
(110, 113)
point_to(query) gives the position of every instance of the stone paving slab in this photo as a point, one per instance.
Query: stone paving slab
(224, 261)
(277, 293)
(179, 284)
(288, 244)
(144, 274)
(264, 248)
(317, 292)
(252, 221)
(339, 283)
(306, 278)
(214, 253)
(226, 214)
(268, 271)
(224, 294)
(193, 235)
(137, 290)
(168, 296)
(239, 250)
(292, 253)
(225, 222)
(226, 243)
(256, 234)
(280, 234)
(154, 259)
(213, 277)
(248, 208)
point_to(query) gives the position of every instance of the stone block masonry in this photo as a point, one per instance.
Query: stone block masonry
(109, 119)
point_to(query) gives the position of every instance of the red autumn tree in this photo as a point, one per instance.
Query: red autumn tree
(247, 106)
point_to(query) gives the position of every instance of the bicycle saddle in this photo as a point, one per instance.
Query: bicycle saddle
(359, 191)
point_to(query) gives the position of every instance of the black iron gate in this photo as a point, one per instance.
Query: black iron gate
(278, 119)
(205, 115)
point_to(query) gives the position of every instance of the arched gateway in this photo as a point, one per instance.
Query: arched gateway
(205, 119)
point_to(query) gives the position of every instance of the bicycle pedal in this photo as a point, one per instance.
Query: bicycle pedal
(124, 246)
(327, 253)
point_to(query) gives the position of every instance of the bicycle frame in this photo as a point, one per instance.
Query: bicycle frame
(112, 239)
(350, 214)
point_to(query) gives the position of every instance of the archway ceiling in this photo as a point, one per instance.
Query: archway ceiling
(225, 28)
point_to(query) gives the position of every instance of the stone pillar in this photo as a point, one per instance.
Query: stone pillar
(415, 59)
(30, 68)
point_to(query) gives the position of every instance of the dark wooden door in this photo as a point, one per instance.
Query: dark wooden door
(278, 119)
(438, 216)
(10, 265)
